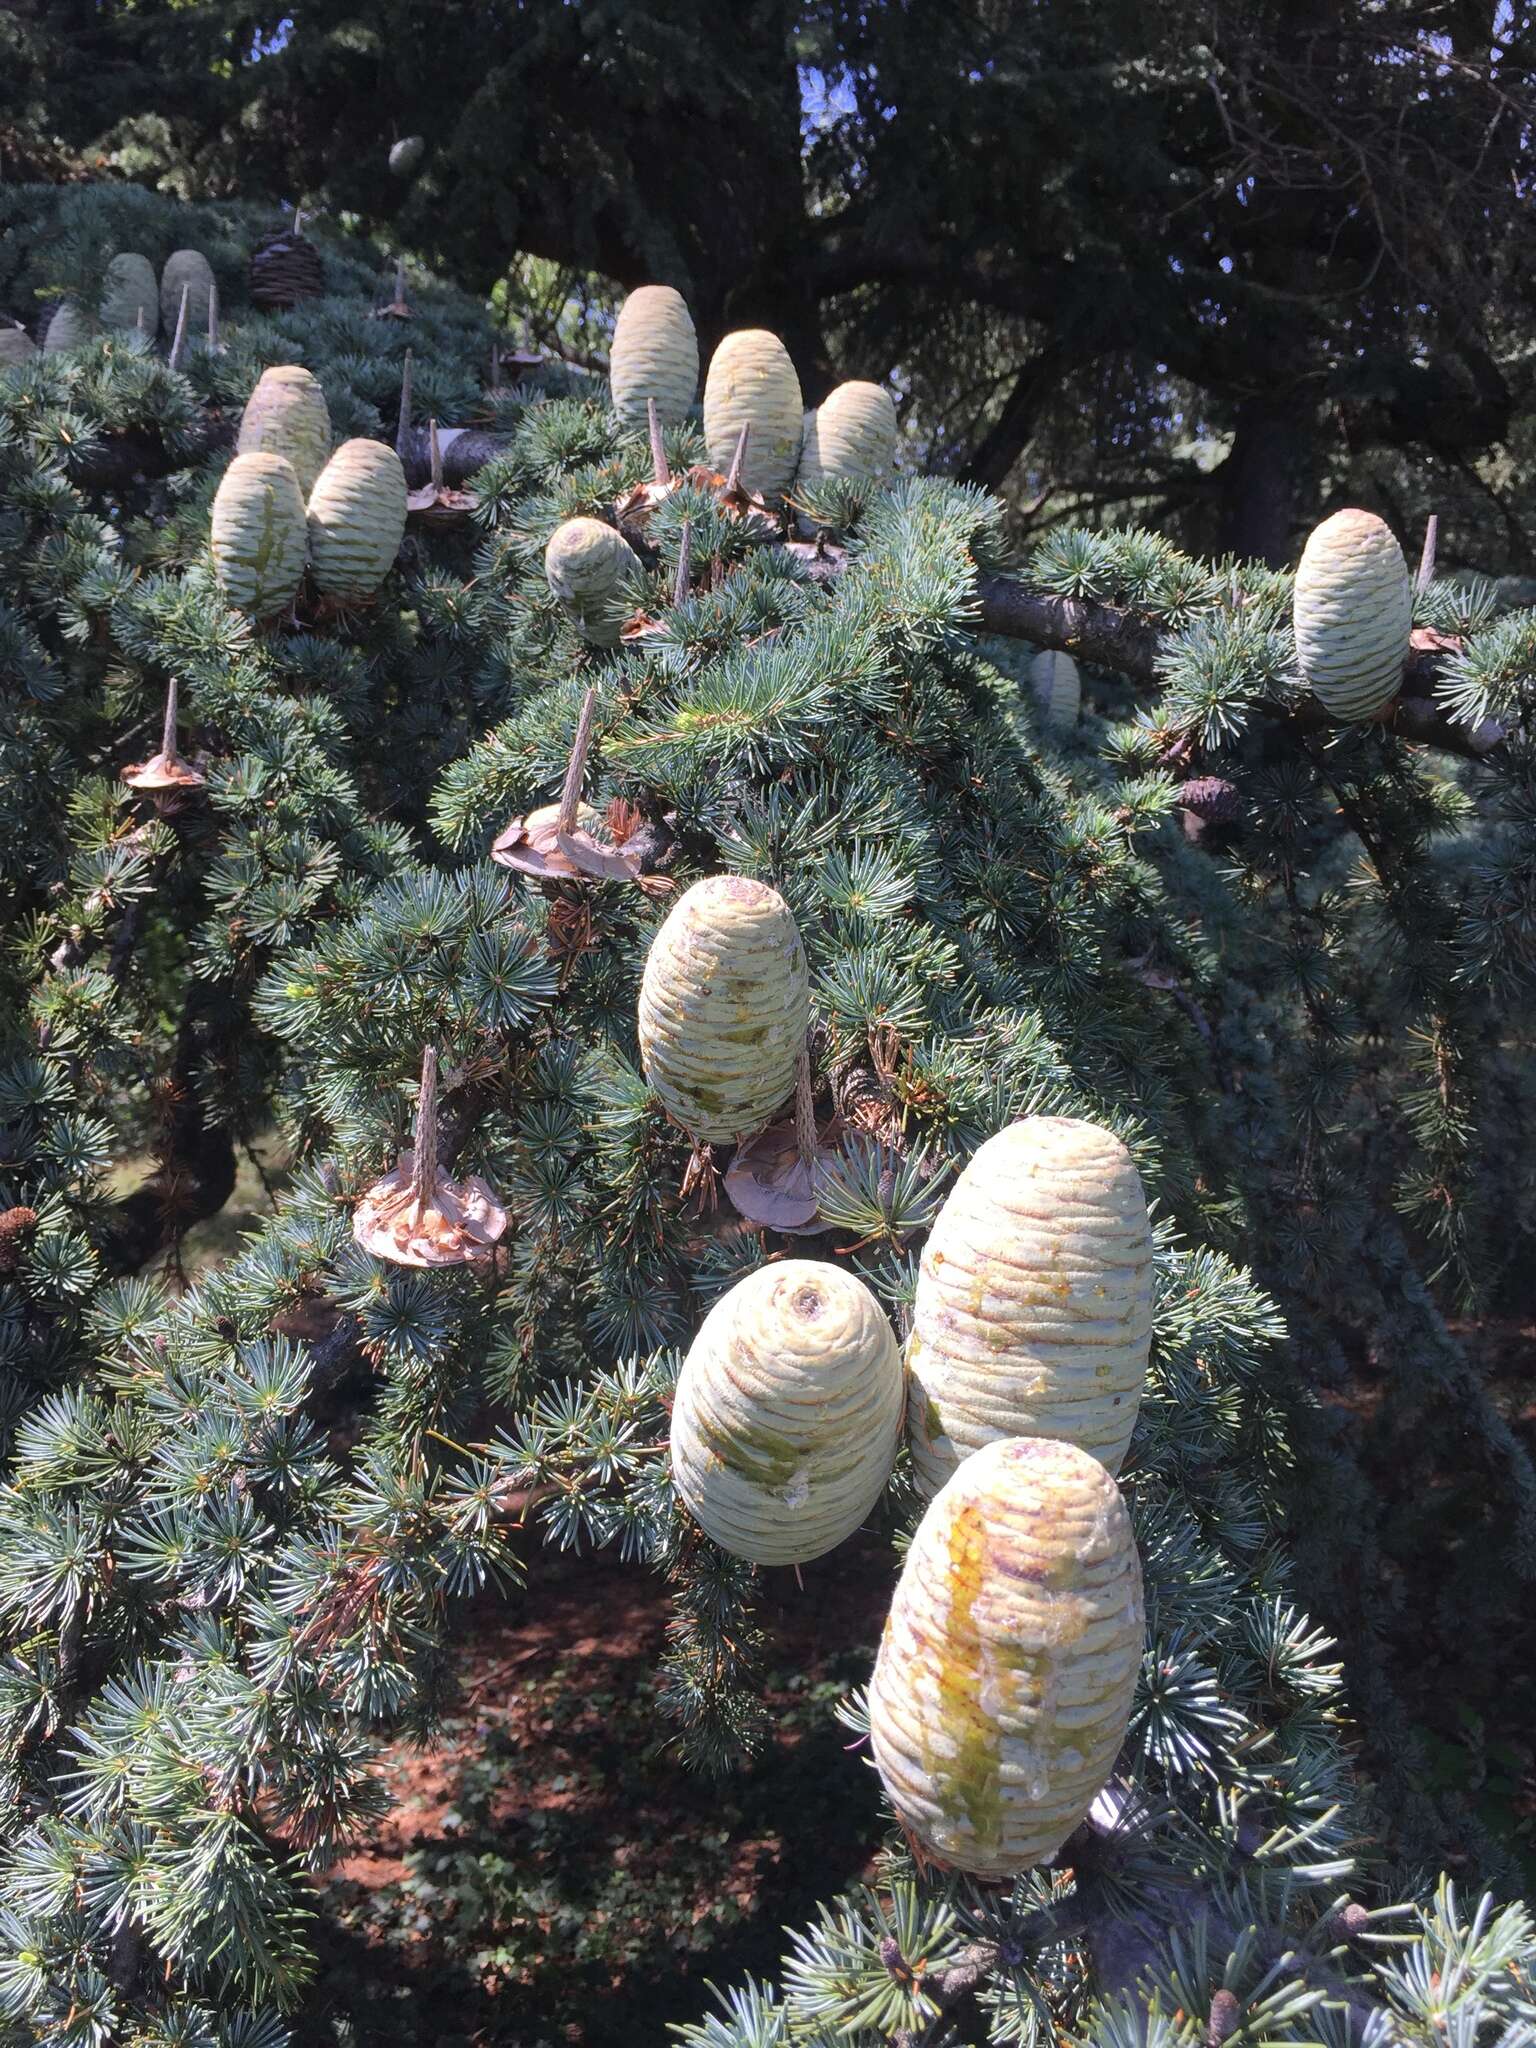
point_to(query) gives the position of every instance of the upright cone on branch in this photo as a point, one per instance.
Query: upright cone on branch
(786, 1417)
(189, 271)
(724, 1006)
(1056, 687)
(585, 564)
(287, 415)
(16, 345)
(752, 382)
(1353, 614)
(130, 295)
(1003, 1687)
(68, 328)
(259, 534)
(850, 437)
(1033, 1314)
(418, 1215)
(654, 356)
(356, 519)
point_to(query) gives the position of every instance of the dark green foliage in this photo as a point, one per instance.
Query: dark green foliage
(236, 1521)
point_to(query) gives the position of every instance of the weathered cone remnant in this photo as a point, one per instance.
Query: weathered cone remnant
(1056, 687)
(68, 328)
(655, 355)
(1003, 1686)
(356, 519)
(851, 436)
(16, 345)
(1033, 1314)
(287, 415)
(752, 382)
(786, 1417)
(406, 154)
(189, 270)
(1353, 613)
(130, 295)
(258, 534)
(168, 770)
(1212, 798)
(417, 1215)
(285, 268)
(586, 563)
(724, 1005)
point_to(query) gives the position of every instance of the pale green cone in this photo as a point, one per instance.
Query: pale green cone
(1353, 613)
(751, 378)
(1033, 1314)
(786, 1417)
(287, 415)
(655, 354)
(356, 519)
(850, 437)
(585, 565)
(724, 1005)
(191, 268)
(1003, 1687)
(128, 290)
(258, 534)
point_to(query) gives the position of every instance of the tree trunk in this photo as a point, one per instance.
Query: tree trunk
(1259, 482)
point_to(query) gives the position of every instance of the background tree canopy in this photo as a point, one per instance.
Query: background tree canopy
(1203, 266)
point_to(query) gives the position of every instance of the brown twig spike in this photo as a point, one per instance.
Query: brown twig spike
(399, 280)
(495, 366)
(684, 563)
(570, 789)
(168, 740)
(661, 469)
(403, 430)
(213, 319)
(805, 1108)
(733, 479)
(1427, 558)
(298, 222)
(181, 328)
(435, 451)
(424, 1163)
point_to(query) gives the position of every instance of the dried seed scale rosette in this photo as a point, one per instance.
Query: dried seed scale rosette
(167, 770)
(787, 1413)
(724, 1006)
(1033, 1314)
(774, 1180)
(418, 1215)
(435, 502)
(569, 840)
(1003, 1686)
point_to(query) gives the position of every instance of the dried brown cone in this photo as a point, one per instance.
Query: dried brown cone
(14, 1226)
(1211, 798)
(168, 769)
(285, 268)
(418, 1215)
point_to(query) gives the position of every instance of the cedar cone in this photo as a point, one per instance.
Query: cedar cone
(1226, 2018)
(1212, 798)
(285, 268)
(13, 1225)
